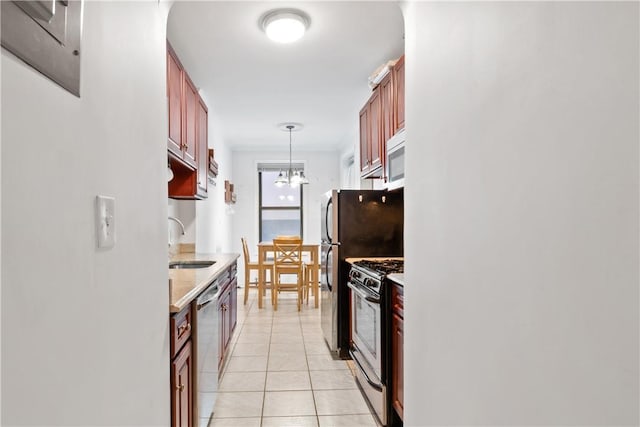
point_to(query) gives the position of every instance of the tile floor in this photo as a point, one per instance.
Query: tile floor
(280, 372)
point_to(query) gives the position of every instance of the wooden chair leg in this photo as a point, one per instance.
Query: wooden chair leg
(307, 283)
(299, 290)
(276, 281)
(247, 279)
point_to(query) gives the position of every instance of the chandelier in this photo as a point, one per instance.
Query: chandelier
(291, 177)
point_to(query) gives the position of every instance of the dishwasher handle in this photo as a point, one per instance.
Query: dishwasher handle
(201, 305)
(208, 296)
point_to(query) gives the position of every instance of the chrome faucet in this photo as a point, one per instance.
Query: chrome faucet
(171, 218)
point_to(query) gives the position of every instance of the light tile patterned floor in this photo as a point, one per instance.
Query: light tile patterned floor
(280, 373)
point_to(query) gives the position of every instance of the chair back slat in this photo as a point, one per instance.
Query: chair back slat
(287, 252)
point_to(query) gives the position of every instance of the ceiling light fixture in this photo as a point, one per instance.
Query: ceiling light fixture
(285, 25)
(291, 177)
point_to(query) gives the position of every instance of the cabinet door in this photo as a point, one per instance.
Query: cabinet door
(174, 93)
(375, 129)
(388, 113)
(399, 90)
(180, 330)
(364, 139)
(388, 117)
(181, 388)
(203, 148)
(233, 305)
(223, 327)
(397, 370)
(190, 120)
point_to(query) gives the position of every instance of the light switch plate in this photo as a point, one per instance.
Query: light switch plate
(106, 221)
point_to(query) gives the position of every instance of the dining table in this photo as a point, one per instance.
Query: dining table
(312, 261)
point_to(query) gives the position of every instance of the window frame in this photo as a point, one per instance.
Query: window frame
(278, 208)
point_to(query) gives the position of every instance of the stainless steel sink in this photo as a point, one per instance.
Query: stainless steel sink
(190, 264)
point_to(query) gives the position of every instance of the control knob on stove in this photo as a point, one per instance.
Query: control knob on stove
(369, 282)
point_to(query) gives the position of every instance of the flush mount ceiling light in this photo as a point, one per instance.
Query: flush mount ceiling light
(285, 25)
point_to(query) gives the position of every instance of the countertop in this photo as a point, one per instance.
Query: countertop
(186, 284)
(397, 277)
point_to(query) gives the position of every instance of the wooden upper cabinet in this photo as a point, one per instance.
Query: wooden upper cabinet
(364, 139)
(174, 97)
(398, 70)
(380, 119)
(203, 147)
(371, 143)
(376, 143)
(190, 120)
(188, 135)
(388, 115)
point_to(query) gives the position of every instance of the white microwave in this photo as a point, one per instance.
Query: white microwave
(395, 161)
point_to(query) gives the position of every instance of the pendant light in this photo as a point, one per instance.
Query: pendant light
(291, 177)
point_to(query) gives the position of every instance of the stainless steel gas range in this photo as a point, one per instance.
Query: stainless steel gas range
(368, 319)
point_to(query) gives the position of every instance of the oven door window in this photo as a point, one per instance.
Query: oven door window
(366, 325)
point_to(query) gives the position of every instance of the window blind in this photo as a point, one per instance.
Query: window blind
(280, 166)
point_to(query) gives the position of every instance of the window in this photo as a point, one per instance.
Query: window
(280, 208)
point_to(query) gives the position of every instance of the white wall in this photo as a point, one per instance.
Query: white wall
(206, 222)
(185, 211)
(85, 331)
(322, 170)
(522, 214)
(212, 221)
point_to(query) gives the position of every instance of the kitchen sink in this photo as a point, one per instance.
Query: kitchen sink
(190, 264)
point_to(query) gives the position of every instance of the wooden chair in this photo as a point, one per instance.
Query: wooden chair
(249, 266)
(288, 261)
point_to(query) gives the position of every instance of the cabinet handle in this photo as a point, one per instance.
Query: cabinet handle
(180, 387)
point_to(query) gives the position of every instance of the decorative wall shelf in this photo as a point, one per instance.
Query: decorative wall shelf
(229, 195)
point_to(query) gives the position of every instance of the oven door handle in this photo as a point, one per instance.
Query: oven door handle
(364, 295)
(364, 372)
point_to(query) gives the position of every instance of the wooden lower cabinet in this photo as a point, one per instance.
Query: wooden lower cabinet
(233, 305)
(224, 336)
(181, 388)
(183, 348)
(397, 349)
(227, 318)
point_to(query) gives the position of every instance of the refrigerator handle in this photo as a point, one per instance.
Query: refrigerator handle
(326, 219)
(326, 268)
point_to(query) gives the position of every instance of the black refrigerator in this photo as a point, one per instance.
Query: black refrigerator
(354, 224)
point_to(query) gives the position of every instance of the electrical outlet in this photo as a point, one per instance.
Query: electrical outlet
(106, 221)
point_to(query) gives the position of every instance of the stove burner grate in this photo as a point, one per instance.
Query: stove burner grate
(382, 267)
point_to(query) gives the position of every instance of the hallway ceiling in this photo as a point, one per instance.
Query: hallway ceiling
(252, 84)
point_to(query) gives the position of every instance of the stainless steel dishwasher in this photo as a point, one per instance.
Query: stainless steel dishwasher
(206, 307)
